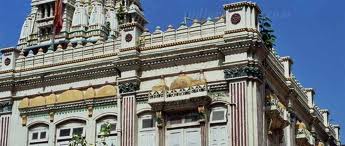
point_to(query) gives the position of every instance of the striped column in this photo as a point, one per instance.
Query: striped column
(128, 118)
(204, 134)
(4, 129)
(238, 127)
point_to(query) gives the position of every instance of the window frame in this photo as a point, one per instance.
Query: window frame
(183, 119)
(99, 125)
(39, 139)
(216, 109)
(70, 136)
(146, 117)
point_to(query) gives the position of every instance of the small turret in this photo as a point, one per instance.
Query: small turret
(133, 27)
(111, 18)
(97, 26)
(80, 21)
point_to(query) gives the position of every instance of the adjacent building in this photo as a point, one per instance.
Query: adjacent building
(211, 83)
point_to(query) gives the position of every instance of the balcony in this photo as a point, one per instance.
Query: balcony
(277, 112)
(303, 136)
(179, 99)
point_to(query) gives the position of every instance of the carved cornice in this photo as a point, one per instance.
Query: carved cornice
(69, 106)
(67, 62)
(243, 71)
(7, 50)
(238, 5)
(131, 26)
(130, 49)
(65, 74)
(181, 43)
(242, 30)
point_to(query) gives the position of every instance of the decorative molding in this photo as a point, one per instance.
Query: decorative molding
(235, 6)
(69, 106)
(181, 43)
(242, 30)
(127, 87)
(243, 71)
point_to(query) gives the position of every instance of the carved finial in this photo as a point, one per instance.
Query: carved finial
(24, 120)
(40, 51)
(196, 21)
(51, 116)
(90, 111)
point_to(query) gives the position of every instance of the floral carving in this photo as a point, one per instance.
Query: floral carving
(243, 71)
(128, 87)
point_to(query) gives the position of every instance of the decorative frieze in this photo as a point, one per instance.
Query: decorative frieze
(243, 71)
(70, 106)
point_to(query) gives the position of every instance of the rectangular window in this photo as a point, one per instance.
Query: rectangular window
(38, 137)
(147, 123)
(34, 136)
(113, 127)
(65, 132)
(192, 117)
(218, 115)
(78, 131)
(43, 135)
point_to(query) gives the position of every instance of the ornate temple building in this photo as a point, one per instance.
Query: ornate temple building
(211, 83)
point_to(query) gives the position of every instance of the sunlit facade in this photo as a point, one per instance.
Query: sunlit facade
(210, 83)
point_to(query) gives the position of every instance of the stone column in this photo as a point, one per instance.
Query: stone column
(51, 134)
(245, 91)
(51, 9)
(128, 112)
(90, 131)
(161, 128)
(45, 10)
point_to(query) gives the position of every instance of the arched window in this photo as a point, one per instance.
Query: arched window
(66, 130)
(38, 135)
(218, 133)
(146, 130)
(111, 139)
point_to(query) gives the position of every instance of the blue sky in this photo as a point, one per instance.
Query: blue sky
(310, 31)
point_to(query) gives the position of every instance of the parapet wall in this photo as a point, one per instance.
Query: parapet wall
(183, 32)
(70, 53)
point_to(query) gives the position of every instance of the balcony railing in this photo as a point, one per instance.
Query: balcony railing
(183, 98)
(304, 137)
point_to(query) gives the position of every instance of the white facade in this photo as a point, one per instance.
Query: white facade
(213, 83)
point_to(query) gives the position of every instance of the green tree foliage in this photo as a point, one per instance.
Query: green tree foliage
(78, 140)
(267, 31)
